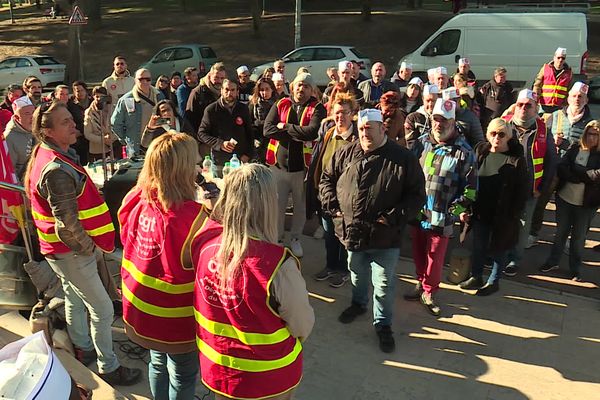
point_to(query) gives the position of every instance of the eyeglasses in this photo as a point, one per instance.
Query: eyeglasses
(164, 81)
(144, 79)
(524, 105)
(500, 134)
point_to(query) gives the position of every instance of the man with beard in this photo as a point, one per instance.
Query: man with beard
(541, 160)
(135, 108)
(497, 95)
(190, 81)
(33, 89)
(245, 85)
(552, 82)
(567, 126)
(207, 92)
(291, 127)
(450, 171)
(120, 81)
(418, 123)
(19, 138)
(375, 87)
(226, 127)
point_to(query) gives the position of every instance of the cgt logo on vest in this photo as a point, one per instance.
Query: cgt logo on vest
(148, 240)
(210, 285)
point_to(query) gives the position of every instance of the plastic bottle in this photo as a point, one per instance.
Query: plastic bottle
(226, 169)
(234, 162)
(207, 165)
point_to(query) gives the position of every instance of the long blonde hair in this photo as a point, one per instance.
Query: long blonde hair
(169, 171)
(584, 137)
(245, 209)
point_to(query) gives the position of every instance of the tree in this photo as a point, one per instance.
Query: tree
(93, 10)
(366, 9)
(256, 11)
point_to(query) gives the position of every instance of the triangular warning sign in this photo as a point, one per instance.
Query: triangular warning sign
(77, 18)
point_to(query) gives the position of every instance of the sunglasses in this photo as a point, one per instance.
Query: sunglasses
(561, 58)
(524, 105)
(500, 134)
(120, 63)
(144, 79)
(164, 81)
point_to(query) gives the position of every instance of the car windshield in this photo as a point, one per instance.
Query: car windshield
(357, 53)
(207, 52)
(45, 60)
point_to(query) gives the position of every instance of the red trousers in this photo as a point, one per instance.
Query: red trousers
(429, 252)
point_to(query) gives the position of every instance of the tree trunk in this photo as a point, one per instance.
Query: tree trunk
(256, 11)
(93, 10)
(366, 10)
(184, 5)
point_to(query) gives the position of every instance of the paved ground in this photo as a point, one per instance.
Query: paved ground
(525, 342)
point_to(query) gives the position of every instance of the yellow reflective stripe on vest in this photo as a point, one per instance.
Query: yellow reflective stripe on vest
(272, 147)
(554, 94)
(538, 161)
(244, 364)
(48, 237)
(538, 175)
(230, 331)
(83, 214)
(53, 237)
(552, 87)
(154, 283)
(150, 309)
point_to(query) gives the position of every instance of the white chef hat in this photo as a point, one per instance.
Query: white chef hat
(416, 81)
(445, 108)
(463, 61)
(241, 69)
(369, 115)
(441, 71)
(405, 65)
(561, 51)
(527, 94)
(21, 102)
(431, 89)
(579, 87)
(30, 369)
(450, 93)
(344, 65)
(277, 77)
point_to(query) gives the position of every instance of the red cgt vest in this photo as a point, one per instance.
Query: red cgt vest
(246, 350)
(284, 107)
(538, 150)
(93, 211)
(555, 91)
(157, 272)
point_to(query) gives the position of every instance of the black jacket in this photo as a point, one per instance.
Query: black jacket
(569, 171)
(220, 124)
(200, 97)
(290, 156)
(386, 185)
(495, 99)
(510, 196)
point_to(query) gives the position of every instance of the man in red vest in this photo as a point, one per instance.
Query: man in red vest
(72, 222)
(541, 160)
(552, 82)
(291, 127)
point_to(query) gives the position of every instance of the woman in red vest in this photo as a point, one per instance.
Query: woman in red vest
(250, 300)
(158, 218)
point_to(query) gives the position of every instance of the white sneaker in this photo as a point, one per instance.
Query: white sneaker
(532, 240)
(296, 248)
(319, 233)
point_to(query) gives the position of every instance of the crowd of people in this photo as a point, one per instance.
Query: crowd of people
(373, 159)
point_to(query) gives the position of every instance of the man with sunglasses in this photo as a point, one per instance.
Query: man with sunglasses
(541, 160)
(552, 82)
(135, 108)
(120, 81)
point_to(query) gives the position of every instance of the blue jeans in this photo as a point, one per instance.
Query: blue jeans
(85, 293)
(576, 221)
(336, 254)
(515, 255)
(381, 265)
(482, 233)
(173, 376)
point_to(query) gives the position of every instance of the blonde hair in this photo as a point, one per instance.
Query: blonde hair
(245, 209)
(345, 99)
(169, 171)
(498, 124)
(42, 120)
(593, 124)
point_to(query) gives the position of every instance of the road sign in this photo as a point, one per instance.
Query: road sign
(77, 18)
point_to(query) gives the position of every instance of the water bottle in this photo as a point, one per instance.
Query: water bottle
(207, 165)
(234, 162)
(226, 169)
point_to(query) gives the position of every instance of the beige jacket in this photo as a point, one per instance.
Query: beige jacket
(117, 86)
(95, 124)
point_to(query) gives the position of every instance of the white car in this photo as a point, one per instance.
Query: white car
(317, 59)
(16, 69)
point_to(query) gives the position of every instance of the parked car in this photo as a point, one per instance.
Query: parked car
(178, 58)
(317, 59)
(16, 69)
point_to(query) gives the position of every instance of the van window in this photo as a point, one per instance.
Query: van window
(207, 52)
(183, 53)
(444, 44)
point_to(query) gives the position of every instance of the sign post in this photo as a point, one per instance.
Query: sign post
(76, 53)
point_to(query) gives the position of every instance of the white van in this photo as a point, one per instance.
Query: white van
(520, 42)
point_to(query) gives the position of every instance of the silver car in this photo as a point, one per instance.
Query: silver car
(317, 59)
(179, 57)
(16, 69)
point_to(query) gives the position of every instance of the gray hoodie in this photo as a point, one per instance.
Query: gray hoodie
(20, 142)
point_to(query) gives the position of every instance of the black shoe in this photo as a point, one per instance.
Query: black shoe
(123, 376)
(415, 293)
(471, 283)
(488, 289)
(323, 274)
(510, 270)
(429, 303)
(576, 278)
(118, 308)
(350, 313)
(387, 344)
(338, 279)
(547, 268)
(86, 357)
